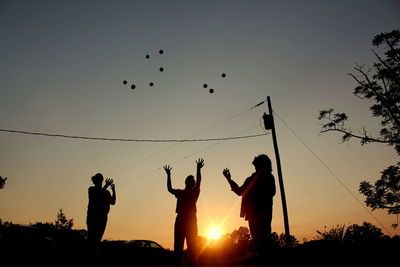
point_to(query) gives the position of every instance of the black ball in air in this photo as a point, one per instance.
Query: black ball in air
(211, 91)
(124, 82)
(223, 75)
(205, 85)
(147, 56)
(133, 86)
(161, 69)
(161, 52)
(151, 84)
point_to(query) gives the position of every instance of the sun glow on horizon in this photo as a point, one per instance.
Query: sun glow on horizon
(214, 233)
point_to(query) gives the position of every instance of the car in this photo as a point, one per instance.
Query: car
(137, 251)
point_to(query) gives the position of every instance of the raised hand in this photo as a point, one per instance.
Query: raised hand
(227, 173)
(168, 169)
(200, 163)
(2, 182)
(109, 181)
(113, 186)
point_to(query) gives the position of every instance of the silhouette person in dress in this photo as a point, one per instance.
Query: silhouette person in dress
(186, 221)
(257, 194)
(100, 200)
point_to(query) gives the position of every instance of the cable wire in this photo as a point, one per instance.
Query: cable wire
(147, 140)
(130, 140)
(330, 171)
(192, 136)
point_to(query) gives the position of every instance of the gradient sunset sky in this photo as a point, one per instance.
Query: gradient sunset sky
(62, 64)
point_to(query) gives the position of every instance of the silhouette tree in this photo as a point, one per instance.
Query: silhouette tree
(288, 241)
(353, 233)
(336, 233)
(62, 223)
(241, 235)
(5, 224)
(385, 193)
(364, 232)
(380, 86)
(2, 182)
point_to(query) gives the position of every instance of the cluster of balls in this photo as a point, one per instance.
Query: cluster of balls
(161, 69)
(223, 75)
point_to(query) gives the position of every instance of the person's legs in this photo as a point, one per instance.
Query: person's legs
(101, 227)
(92, 230)
(256, 232)
(191, 239)
(260, 229)
(268, 220)
(96, 226)
(179, 239)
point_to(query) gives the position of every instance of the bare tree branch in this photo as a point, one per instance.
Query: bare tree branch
(366, 138)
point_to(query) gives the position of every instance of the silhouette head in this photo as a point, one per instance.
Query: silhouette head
(262, 162)
(97, 179)
(189, 182)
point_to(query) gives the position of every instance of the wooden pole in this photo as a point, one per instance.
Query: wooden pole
(271, 125)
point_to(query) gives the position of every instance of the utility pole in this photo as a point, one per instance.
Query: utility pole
(270, 125)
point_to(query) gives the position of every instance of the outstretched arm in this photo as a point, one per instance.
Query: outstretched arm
(168, 169)
(199, 164)
(114, 195)
(235, 188)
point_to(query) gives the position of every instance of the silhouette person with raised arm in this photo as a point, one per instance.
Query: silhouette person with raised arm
(2, 182)
(186, 221)
(100, 200)
(257, 194)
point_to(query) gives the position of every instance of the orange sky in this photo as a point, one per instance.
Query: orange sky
(62, 70)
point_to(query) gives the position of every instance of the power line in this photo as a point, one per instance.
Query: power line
(130, 140)
(148, 140)
(196, 134)
(330, 171)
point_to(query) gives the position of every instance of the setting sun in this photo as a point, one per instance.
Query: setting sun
(214, 233)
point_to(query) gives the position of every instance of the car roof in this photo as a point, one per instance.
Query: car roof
(142, 240)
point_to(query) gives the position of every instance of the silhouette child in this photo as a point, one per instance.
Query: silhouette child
(100, 200)
(257, 194)
(186, 221)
